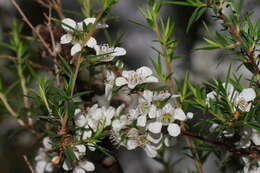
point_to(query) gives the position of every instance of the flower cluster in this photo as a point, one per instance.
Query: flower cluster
(45, 163)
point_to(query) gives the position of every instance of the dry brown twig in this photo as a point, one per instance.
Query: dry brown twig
(29, 164)
(26, 20)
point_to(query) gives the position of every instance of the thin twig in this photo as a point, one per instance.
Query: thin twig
(11, 110)
(56, 68)
(26, 20)
(240, 151)
(193, 151)
(29, 164)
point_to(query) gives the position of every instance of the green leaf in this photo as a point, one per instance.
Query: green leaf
(70, 154)
(198, 12)
(211, 45)
(180, 3)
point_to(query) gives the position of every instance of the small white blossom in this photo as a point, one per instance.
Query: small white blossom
(43, 161)
(82, 166)
(80, 118)
(138, 139)
(72, 27)
(106, 53)
(99, 116)
(241, 100)
(133, 78)
(166, 117)
(43, 164)
(251, 166)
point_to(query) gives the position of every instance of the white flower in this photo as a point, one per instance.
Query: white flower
(100, 116)
(47, 144)
(43, 163)
(124, 120)
(174, 129)
(251, 166)
(137, 138)
(165, 117)
(243, 99)
(82, 166)
(106, 53)
(72, 28)
(134, 78)
(190, 115)
(245, 135)
(80, 118)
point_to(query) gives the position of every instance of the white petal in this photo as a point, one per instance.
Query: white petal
(120, 109)
(132, 85)
(168, 108)
(87, 165)
(133, 113)
(77, 111)
(126, 74)
(86, 134)
(256, 137)
(49, 167)
(101, 26)
(148, 95)
(91, 147)
(151, 79)
(155, 127)
(66, 165)
(68, 24)
(75, 49)
(167, 142)
(78, 170)
(131, 144)
(144, 71)
(152, 112)
(179, 114)
(248, 94)
(210, 96)
(230, 89)
(120, 81)
(40, 166)
(116, 125)
(80, 120)
(118, 51)
(81, 148)
(66, 38)
(190, 115)
(174, 129)
(47, 143)
(92, 42)
(150, 151)
(141, 121)
(89, 20)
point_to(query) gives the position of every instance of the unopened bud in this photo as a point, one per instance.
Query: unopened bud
(56, 160)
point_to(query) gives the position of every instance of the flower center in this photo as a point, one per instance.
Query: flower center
(242, 104)
(142, 140)
(135, 78)
(166, 118)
